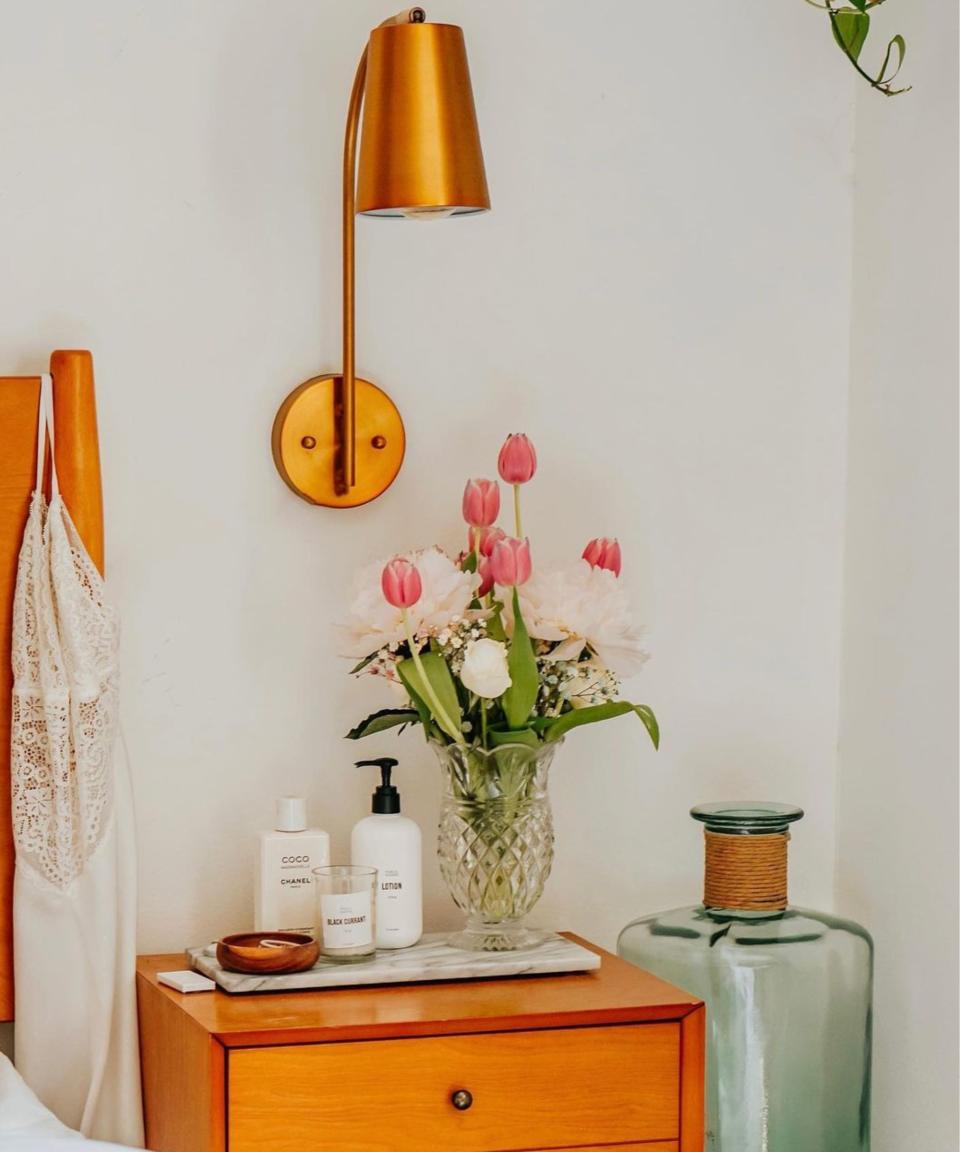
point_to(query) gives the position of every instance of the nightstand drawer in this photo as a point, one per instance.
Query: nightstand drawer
(541, 1089)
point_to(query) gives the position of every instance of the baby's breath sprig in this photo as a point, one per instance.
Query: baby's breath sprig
(453, 640)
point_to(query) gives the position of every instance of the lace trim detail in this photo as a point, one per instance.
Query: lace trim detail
(65, 699)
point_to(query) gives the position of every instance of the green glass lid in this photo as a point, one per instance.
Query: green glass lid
(746, 816)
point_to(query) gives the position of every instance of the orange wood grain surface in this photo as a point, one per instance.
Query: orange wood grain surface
(548, 1088)
(646, 1146)
(78, 469)
(617, 993)
(693, 1062)
(183, 1073)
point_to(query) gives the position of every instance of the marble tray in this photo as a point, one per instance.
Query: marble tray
(431, 959)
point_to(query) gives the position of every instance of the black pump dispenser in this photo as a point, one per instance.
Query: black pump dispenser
(386, 798)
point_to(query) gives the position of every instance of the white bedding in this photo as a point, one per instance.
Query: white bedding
(26, 1126)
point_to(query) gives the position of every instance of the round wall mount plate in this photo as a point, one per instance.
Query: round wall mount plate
(305, 442)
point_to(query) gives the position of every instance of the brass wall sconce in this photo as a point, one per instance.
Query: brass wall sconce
(338, 440)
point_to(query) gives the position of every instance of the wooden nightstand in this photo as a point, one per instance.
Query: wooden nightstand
(613, 1057)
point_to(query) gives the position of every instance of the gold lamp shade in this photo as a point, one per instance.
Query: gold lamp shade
(420, 153)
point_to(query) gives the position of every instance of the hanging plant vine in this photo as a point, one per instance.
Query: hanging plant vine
(850, 27)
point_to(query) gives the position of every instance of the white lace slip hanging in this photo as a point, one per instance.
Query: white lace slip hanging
(74, 905)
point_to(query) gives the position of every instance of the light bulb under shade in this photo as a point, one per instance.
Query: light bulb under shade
(420, 154)
(426, 213)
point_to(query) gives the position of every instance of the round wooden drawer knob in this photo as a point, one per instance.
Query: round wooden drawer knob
(461, 1099)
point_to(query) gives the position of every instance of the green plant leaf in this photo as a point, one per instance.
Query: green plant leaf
(363, 663)
(383, 720)
(901, 46)
(495, 629)
(649, 722)
(850, 29)
(520, 697)
(422, 711)
(522, 736)
(439, 678)
(469, 562)
(597, 712)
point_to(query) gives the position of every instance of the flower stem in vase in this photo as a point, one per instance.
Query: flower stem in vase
(434, 701)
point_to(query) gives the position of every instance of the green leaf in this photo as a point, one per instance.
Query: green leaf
(495, 628)
(850, 29)
(520, 697)
(860, 5)
(649, 722)
(363, 663)
(441, 682)
(521, 736)
(423, 711)
(383, 720)
(901, 46)
(598, 712)
(469, 563)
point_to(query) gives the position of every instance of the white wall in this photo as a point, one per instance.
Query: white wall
(660, 297)
(897, 786)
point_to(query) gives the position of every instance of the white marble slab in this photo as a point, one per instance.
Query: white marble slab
(431, 959)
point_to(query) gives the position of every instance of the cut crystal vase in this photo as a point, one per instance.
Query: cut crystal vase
(788, 993)
(495, 841)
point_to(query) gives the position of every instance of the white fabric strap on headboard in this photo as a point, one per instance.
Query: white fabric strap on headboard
(45, 428)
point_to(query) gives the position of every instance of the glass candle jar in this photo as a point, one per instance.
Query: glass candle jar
(346, 907)
(788, 993)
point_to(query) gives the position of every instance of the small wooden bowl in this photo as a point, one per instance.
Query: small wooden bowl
(244, 952)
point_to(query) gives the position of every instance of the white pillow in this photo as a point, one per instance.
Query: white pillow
(26, 1126)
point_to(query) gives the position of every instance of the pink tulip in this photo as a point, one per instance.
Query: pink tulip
(401, 583)
(510, 563)
(488, 538)
(518, 460)
(481, 503)
(603, 553)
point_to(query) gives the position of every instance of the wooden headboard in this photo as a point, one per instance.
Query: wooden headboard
(78, 470)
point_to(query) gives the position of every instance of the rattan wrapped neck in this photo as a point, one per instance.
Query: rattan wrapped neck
(745, 872)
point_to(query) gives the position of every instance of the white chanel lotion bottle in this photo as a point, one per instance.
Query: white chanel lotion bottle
(391, 843)
(284, 899)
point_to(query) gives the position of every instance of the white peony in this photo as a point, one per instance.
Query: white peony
(374, 624)
(484, 670)
(578, 605)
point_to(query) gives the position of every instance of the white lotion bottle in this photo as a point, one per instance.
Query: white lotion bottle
(284, 898)
(392, 844)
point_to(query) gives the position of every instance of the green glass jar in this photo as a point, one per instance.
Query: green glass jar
(788, 993)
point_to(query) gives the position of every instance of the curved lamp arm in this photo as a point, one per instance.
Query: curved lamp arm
(346, 464)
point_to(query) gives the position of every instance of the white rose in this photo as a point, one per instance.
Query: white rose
(484, 670)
